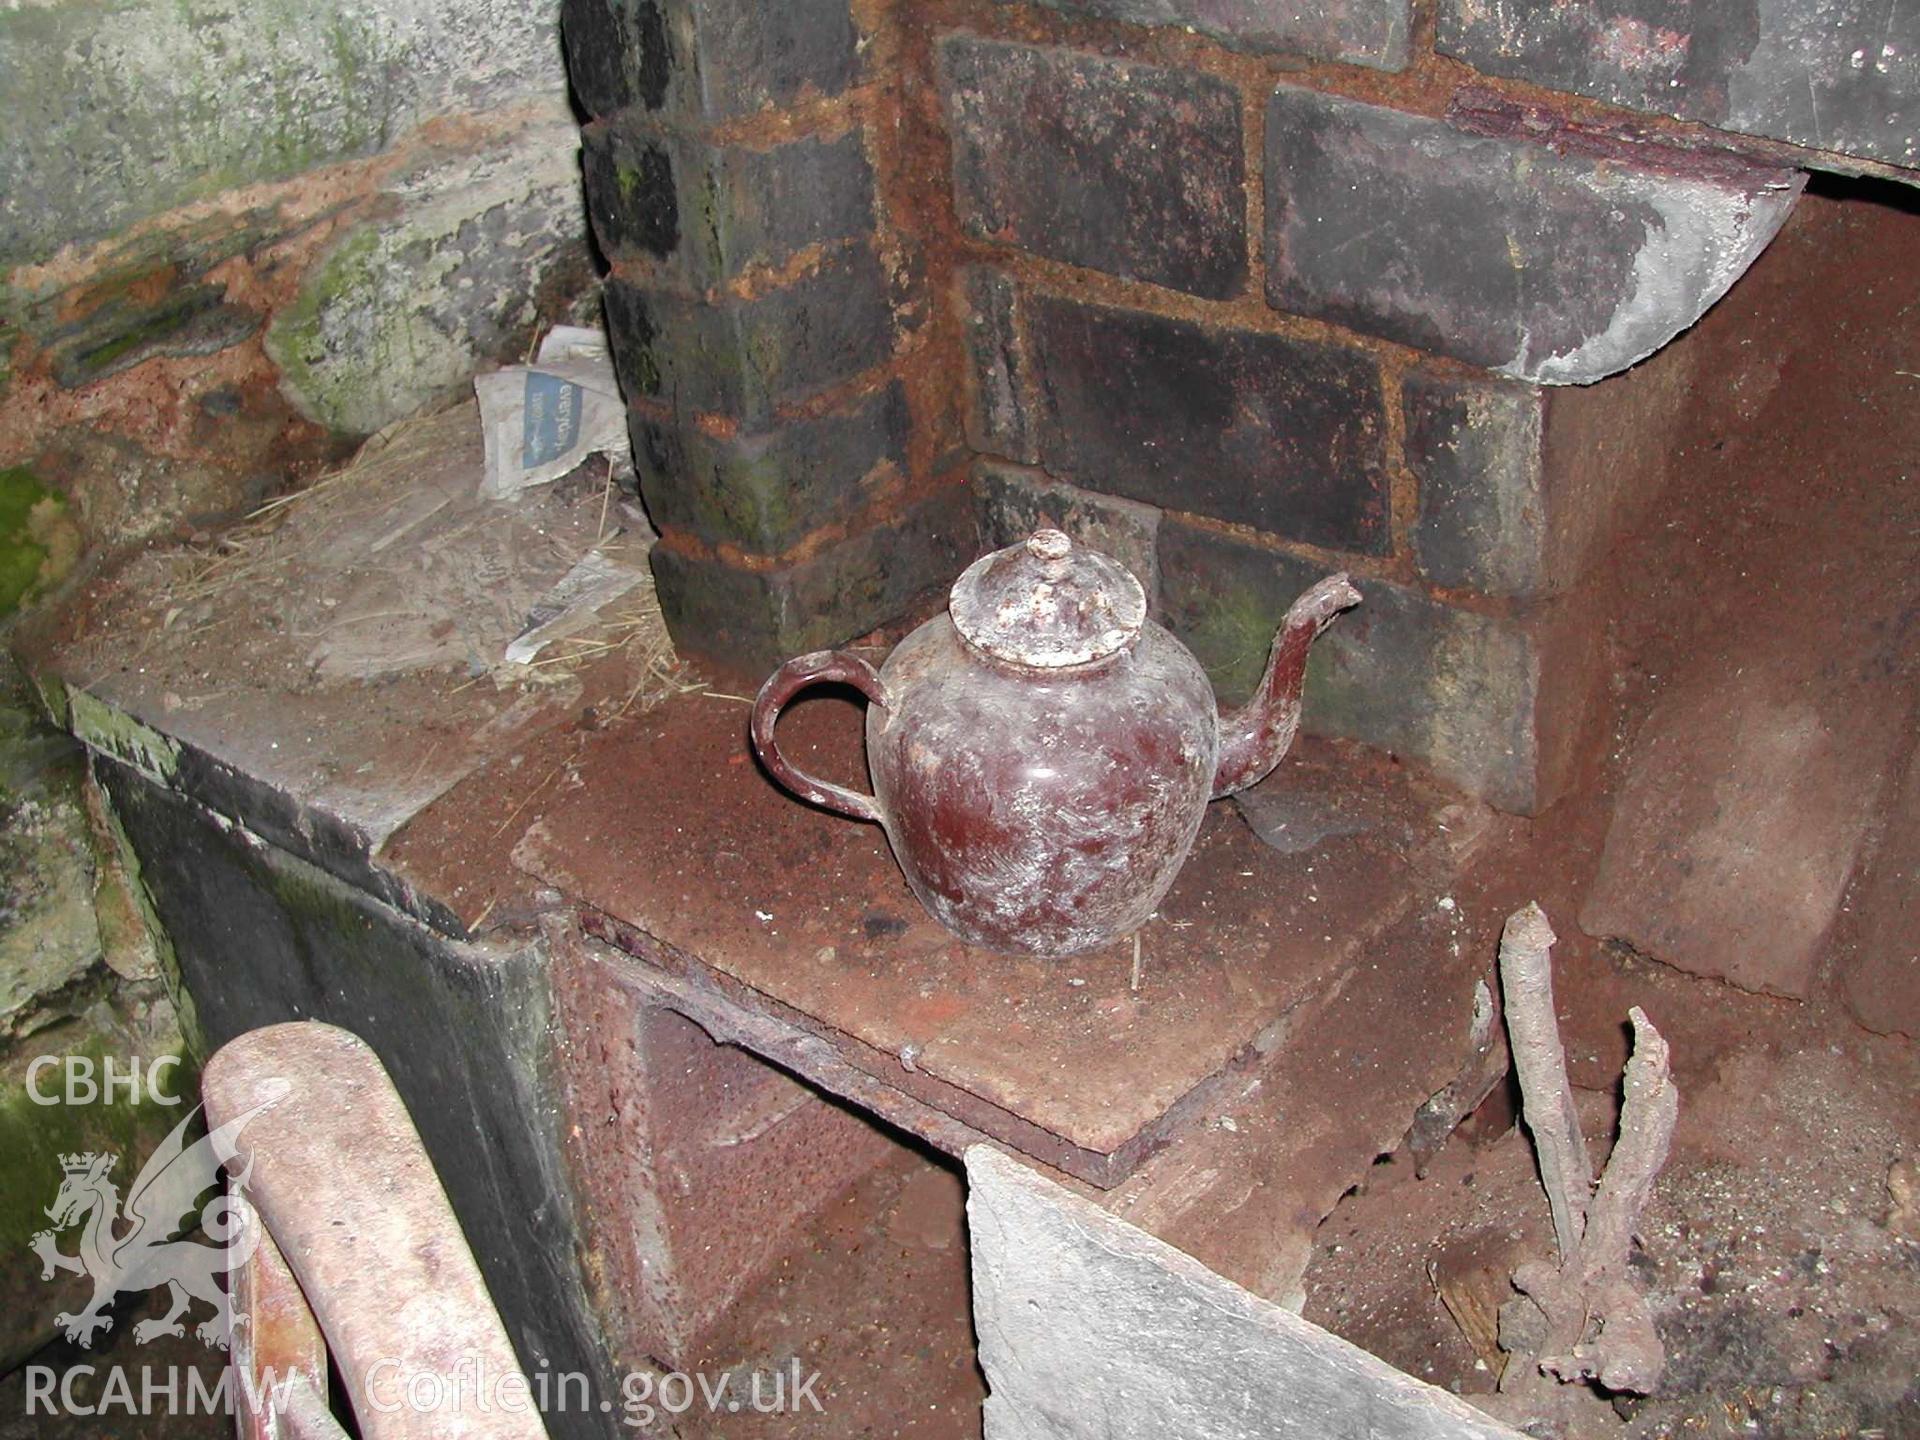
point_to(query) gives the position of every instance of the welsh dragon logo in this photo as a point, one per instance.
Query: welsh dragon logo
(149, 1244)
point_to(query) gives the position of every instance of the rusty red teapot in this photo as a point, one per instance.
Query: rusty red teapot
(1042, 753)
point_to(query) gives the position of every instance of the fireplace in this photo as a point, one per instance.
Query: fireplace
(1577, 335)
(1243, 297)
(1248, 296)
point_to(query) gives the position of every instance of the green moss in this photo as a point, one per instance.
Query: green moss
(20, 491)
(751, 498)
(122, 331)
(348, 279)
(148, 330)
(37, 760)
(20, 556)
(112, 731)
(193, 1034)
(51, 691)
(38, 543)
(34, 1136)
(1229, 628)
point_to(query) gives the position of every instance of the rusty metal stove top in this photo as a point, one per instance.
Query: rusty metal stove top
(790, 931)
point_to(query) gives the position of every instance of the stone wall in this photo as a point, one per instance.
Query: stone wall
(232, 238)
(84, 979)
(1295, 279)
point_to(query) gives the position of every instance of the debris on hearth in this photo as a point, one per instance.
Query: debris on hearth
(1486, 1065)
(544, 420)
(398, 564)
(1584, 1319)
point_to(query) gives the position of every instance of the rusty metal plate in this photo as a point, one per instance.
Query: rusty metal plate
(687, 857)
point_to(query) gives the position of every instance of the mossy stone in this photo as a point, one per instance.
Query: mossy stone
(39, 544)
(402, 311)
(137, 107)
(33, 1137)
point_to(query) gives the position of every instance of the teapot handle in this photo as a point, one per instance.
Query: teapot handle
(786, 682)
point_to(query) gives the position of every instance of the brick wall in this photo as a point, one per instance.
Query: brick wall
(1257, 329)
(770, 316)
(1243, 293)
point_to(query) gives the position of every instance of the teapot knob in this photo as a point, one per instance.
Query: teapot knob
(1051, 548)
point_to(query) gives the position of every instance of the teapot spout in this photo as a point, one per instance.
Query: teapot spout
(1255, 737)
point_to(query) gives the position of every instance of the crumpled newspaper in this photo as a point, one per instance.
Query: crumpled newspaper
(543, 419)
(573, 603)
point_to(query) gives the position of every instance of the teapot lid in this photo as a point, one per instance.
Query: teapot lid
(1047, 603)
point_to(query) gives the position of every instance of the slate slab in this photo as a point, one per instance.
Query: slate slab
(1540, 262)
(1091, 1328)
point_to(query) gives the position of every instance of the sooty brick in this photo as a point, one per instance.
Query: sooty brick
(1131, 169)
(1014, 502)
(744, 358)
(1490, 704)
(707, 212)
(1360, 32)
(1841, 77)
(1541, 263)
(1282, 434)
(747, 621)
(761, 492)
(707, 59)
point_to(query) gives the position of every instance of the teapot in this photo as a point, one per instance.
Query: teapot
(1042, 753)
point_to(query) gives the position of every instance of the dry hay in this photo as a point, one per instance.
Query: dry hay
(229, 573)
